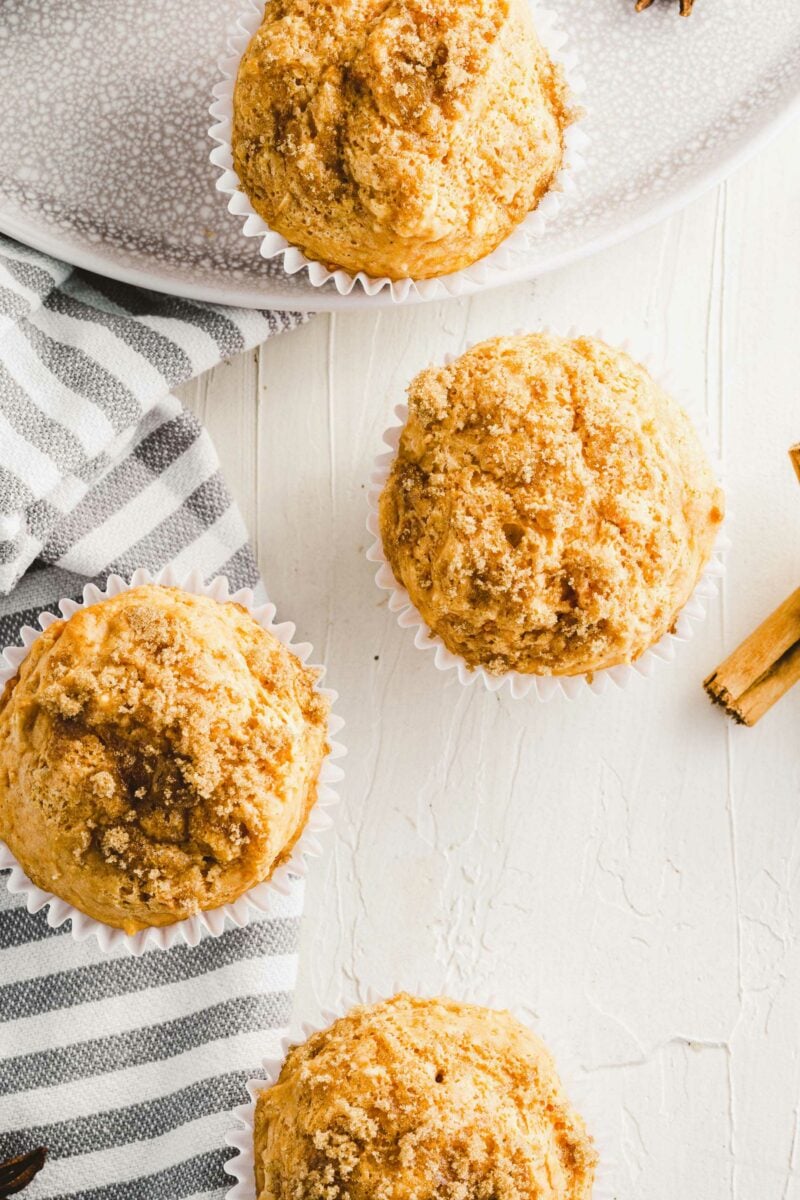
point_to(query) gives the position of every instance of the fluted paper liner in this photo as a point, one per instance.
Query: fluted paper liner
(582, 1092)
(487, 271)
(256, 899)
(545, 686)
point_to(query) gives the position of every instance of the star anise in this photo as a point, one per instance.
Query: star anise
(16, 1173)
(686, 6)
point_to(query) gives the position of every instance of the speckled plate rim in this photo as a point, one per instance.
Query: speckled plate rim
(259, 296)
(491, 270)
(581, 1092)
(544, 687)
(256, 899)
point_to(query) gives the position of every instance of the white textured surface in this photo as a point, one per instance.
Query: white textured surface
(625, 867)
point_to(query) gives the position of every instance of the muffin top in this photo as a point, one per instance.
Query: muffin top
(401, 139)
(158, 755)
(550, 508)
(428, 1099)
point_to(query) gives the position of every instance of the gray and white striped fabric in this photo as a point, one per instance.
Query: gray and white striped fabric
(125, 1068)
(85, 368)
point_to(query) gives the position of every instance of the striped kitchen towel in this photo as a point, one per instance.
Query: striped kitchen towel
(125, 1068)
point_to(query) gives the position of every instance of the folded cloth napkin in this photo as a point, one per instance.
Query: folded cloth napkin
(125, 1068)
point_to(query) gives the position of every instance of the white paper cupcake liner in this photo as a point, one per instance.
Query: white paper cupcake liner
(582, 1092)
(487, 271)
(544, 687)
(259, 898)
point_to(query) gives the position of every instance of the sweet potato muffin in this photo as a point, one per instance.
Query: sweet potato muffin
(427, 1099)
(550, 508)
(159, 755)
(400, 139)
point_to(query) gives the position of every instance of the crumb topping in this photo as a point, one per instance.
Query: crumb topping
(550, 508)
(400, 138)
(158, 755)
(427, 1099)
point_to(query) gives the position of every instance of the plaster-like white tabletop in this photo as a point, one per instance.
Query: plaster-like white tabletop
(627, 867)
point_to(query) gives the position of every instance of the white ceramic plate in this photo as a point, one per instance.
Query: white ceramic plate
(104, 113)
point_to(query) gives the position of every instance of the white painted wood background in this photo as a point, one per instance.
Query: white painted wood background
(627, 868)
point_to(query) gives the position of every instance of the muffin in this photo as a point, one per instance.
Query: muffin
(405, 139)
(550, 508)
(428, 1099)
(159, 755)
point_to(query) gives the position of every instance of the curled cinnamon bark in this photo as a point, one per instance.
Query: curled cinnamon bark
(686, 6)
(763, 668)
(766, 664)
(16, 1173)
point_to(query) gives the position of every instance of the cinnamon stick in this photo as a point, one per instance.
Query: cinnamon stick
(686, 6)
(794, 455)
(763, 668)
(16, 1173)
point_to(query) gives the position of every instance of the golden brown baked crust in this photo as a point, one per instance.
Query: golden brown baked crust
(550, 508)
(427, 1099)
(159, 754)
(405, 138)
